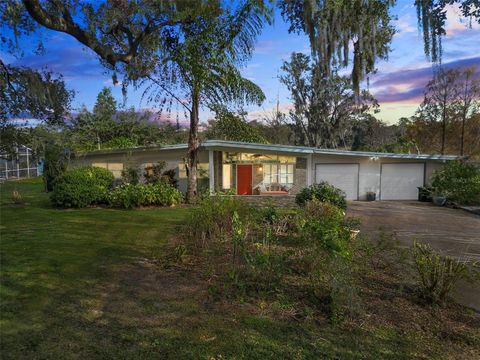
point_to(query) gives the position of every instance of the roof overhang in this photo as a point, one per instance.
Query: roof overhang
(223, 145)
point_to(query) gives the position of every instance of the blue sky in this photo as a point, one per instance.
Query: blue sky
(398, 84)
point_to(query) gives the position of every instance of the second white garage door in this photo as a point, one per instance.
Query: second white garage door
(400, 181)
(342, 176)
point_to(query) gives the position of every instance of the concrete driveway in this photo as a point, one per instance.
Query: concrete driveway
(454, 232)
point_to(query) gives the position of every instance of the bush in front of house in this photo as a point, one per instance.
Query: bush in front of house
(459, 182)
(323, 192)
(129, 196)
(211, 220)
(81, 187)
(130, 175)
(322, 225)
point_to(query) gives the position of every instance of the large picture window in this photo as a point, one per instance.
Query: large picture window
(278, 174)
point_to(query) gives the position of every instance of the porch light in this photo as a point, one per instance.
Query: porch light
(373, 158)
(260, 168)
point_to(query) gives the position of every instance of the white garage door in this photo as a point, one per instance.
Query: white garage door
(400, 181)
(342, 176)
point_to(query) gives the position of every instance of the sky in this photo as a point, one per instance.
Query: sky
(398, 84)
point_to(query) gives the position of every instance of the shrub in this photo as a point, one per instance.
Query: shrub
(323, 225)
(323, 192)
(55, 164)
(129, 196)
(169, 177)
(212, 219)
(130, 175)
(459, 182)
(82, 187)
(327, 236)
(153, 173)
(438, 274)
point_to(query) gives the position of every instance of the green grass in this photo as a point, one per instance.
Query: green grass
(87, 284)
(52, 259)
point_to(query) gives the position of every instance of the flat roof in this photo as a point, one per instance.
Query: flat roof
(311, 150)
(219, 144)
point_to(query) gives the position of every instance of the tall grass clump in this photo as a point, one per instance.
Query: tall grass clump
(438, 274)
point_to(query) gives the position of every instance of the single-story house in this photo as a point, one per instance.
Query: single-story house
(268, 169)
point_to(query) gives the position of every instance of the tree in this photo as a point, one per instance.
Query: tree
(204, 70)
(468, 101)
(104, 111)
(323, 104)
(363, 27)
(230, 126)
(30, 94)
(159, 41)
(97, 127)
(334, 26)
(56, 162)
(424, 136)
(128, 36)
(274, 127)
(108, 128)
(371, 134)
(432, 16)
(440, 100)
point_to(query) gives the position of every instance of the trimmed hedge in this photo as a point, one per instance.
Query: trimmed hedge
(82, 187)
(129, 196)
(323, 192)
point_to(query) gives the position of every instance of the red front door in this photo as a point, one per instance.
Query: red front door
(244, 179)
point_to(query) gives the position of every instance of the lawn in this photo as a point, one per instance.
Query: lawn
(97, 284)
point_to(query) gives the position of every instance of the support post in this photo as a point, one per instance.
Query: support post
(28, 165)
(211, 171)
(6, 169)
(309, 170)
(18, 165)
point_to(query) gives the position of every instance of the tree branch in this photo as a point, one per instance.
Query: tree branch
(65, 23)
(164, 88)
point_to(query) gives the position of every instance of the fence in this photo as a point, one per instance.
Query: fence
(18, 173)
(19, 165)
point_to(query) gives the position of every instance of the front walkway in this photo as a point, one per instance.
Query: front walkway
(453, 231)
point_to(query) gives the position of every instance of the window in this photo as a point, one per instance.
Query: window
(278, 174)
(202, 170)
(227, 176)
(114, 168)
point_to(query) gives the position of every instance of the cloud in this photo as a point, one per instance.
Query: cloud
(404, 25)
(407, 85)
(456, 24)
(72, 61)
(283, 108)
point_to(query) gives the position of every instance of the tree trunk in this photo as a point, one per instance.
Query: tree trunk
(462, 140)
(193, 145)
(444, 128)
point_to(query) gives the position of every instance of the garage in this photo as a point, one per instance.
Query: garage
(399, 181)
(342, 176)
